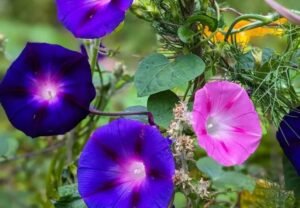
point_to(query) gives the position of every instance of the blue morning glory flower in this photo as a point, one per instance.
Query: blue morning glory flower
(92, 18)
(288, 136)
(47, 90)
(126, 164)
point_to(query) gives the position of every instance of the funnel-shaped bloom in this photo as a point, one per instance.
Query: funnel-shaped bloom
(47, 90)
(126, 164)
(292, 17)
(288, 135)
(92, 18)
(226, 123)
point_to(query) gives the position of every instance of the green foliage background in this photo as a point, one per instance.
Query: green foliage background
(25, 179)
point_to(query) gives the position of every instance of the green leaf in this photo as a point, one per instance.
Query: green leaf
(234, 181)
(68, 191)
(209, 167)
(8, 146)
(161, 106)
(156, 73)
(69, 197)
(249, 60)
(180, 200)
(221, 179)
(246, 61)
(291, 178)
(267, 54)
(137, 108)
(185, 34)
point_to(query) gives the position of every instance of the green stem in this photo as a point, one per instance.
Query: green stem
(187, 90)
(95, 53)
(264, 20)
(100, 74)
(146, 113)
(217, 8)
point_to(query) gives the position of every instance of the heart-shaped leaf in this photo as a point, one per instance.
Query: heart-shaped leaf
(161, 106)
(156, 73)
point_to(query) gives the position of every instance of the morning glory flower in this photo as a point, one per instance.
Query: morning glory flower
(47, 90)
(285, 12)
(226, 123)
(288, 136)
(92, 18)
(126, 163)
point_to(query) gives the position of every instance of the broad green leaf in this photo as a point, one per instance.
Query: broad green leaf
(291, 178)
(225, 179)
(249, 60)
(246, 61)
(161, 106)
(185, 34)
(209, 167)
(235, 181)
(180, 200)
(156, 73)
(227, 196)
(137, 108)
(266, 195)
(267, 54)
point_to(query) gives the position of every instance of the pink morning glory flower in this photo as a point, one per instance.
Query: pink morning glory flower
(92, 18)
(226, 122)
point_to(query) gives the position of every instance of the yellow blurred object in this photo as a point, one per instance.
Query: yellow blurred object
(243, 38)
(266, 195)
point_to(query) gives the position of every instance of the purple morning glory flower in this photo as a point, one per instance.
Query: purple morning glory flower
(288, 136)
(47, 90)
(126, 164)
(92, 18)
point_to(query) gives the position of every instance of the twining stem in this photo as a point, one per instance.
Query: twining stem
(263, 20)
(146, 113)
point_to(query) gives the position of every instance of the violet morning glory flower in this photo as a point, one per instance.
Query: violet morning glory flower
(226, 123)
(47, 90)
(126, 164)
(92, 18)
(288, 136)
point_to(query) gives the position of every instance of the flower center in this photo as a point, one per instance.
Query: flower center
(47, 92)
(137, 171)
(212, 127)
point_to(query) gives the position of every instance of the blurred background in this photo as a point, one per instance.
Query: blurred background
(23, 179)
